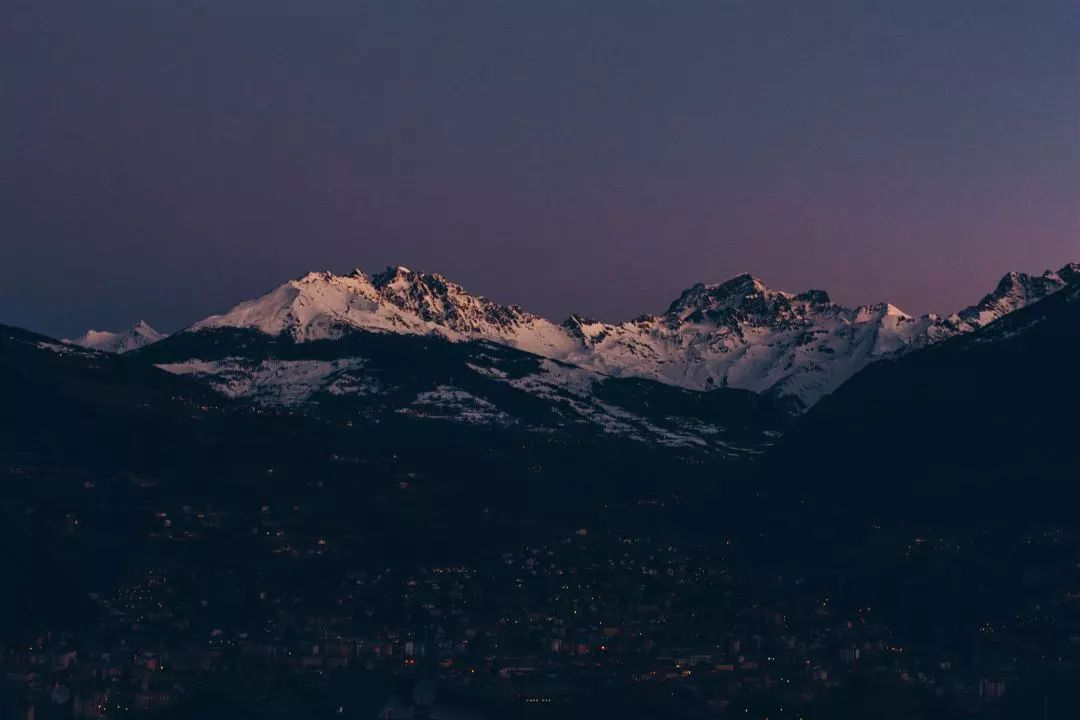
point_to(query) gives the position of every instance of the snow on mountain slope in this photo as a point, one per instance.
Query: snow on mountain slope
(572, 391)
(1015, 291)
(323, 305)
(135, 337)
(277, 382)
(382, 376)
(739, 333)
(742, 334)
(447, 402)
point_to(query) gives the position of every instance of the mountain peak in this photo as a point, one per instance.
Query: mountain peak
(135, 337)
(742, 283)
(1014, 291)
(743, 297)
(395, 272)
(887, 309)
(711, 298)
(1070, 273)
(324, 306)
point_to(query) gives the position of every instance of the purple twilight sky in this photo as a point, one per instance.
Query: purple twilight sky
(164, 159)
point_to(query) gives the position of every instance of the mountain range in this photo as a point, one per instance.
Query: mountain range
(389, 402)
(739, 333)
(966, 424)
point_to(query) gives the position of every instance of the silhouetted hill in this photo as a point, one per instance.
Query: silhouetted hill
(979, 428)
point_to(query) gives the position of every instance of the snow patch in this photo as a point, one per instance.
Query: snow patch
(274, 382)
(446, 402)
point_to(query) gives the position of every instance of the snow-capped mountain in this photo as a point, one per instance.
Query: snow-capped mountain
(743, 334)
(322, 305)
(137, 336)
(1015, 291)
(739, 333)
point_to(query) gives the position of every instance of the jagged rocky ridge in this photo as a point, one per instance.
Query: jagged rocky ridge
(737, 334)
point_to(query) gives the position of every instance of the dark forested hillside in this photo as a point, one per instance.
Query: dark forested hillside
(982, 426)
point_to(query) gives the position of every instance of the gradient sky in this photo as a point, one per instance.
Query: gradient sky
(164, 159)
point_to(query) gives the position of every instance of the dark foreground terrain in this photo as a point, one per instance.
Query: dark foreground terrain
(169, 552)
